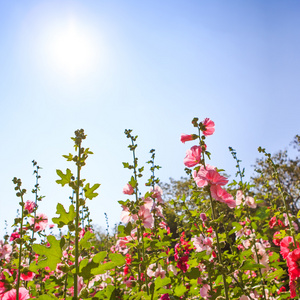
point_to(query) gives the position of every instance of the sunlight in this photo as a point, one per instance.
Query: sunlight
(71, 50)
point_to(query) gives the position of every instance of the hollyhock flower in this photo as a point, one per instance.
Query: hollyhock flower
(164, 297)
(187, 137)
(41, 222)
(208, 175)
(128, 189)
(146, 217)
(157, 193)
(29, 206)
(28, 276)
(5, 250)
(172, 269)
(221, 195)
(203, 244)
(126, 215)
(244, 297)
(193, 156)
(293, 260)
(286, 246)
(272, 222)
(203, 217)
(249, 201)
(209, 127)
(276, 239)
(204, 291)
(286, 222)
(12, 294)
(15, 235)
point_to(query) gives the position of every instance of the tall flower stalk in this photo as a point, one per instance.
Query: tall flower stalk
(20, 193)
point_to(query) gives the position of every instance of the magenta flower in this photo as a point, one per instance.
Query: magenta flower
(128, 189)
(15, 235)
(193, 156)
(209, 127)
(29, 206)
(28, 276)
(12, 294)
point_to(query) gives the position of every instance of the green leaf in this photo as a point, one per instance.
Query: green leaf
(84, 242)
(99, 257)
(159, 282)
(194, 273)
(89, 192)
(65, 178)
(179, 290)
(68, 157)
(52, 254)
(117, 259)
(65, 218)
(262, 212)
(278, 273)
(110, 292)
(248, 265)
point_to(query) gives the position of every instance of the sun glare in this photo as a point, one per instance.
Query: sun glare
(71, 50)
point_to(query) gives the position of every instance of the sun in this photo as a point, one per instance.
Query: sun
(71, 50)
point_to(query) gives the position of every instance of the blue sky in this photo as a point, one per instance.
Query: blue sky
(151, 66)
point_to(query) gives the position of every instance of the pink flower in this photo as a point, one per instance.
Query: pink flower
(126, 215)
(209, 127)
(128, 189)
(157, 193)
(12, 294)
(193, 156)
(5, 250)
(145, 216)
(14, 235)
(221, 195)
(204, 291)
(208, 175)
(187, 137)
(28, 276)
(41, 222)
(29, 206)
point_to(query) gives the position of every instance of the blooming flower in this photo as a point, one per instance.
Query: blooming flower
(208, 175)
(128, 189)
(12, 294)
(29, 206)
(193, 156)
(209, 127)
(221, 195)
(15, 235)
(40, 223)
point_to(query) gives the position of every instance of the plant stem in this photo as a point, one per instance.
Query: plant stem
(77, 223)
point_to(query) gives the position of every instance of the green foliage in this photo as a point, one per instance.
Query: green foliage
(64, 218)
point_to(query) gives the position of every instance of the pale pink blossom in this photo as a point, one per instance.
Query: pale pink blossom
(240, 199)
(209, 127)
(204, 291)
(128, 189)
(12, 294)
(208, 175)
(244, 297)
(126, 215)
(145, 216)
(203, 243)
(193, 156)
(187, 137)
(5, 250)
(172, 269)
(286, 222)
(41, 222)
(157, 193)
(221, 195)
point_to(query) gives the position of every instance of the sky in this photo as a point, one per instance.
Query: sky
(150, 66)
